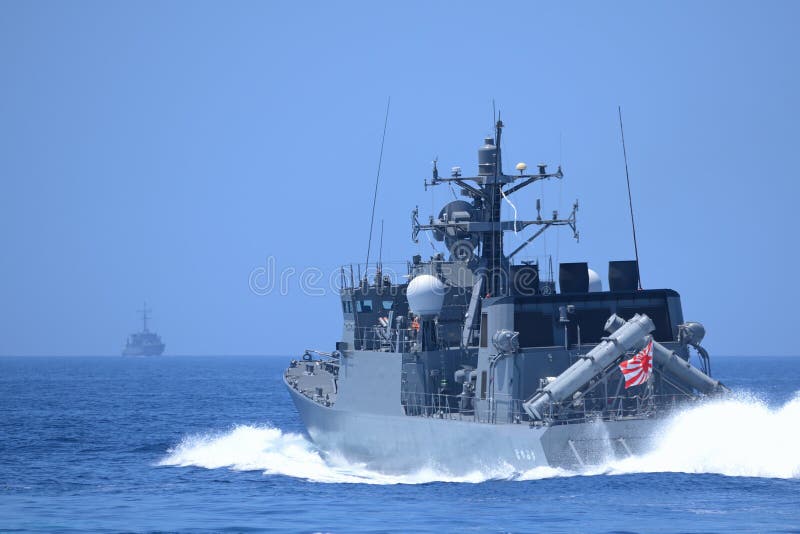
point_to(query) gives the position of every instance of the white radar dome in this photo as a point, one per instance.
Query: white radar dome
(595, 283)
(425, 295)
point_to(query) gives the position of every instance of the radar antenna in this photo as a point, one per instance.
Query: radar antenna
(480, 218)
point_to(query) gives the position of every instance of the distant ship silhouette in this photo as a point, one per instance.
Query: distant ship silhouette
(144, 343)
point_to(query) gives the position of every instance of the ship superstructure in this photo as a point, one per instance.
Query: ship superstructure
(475, 359)
(145, 342)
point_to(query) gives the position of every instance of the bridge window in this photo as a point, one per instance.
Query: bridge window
(364, 306)
(347, 306)
(387, 304)
(535, 329)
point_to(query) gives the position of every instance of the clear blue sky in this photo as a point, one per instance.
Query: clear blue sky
(164, 150)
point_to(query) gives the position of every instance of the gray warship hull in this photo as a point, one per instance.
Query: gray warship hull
(148, 350)
(396, 443)
(474, 362)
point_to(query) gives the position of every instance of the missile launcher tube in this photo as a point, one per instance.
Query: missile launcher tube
(623, 339)
(674, 364)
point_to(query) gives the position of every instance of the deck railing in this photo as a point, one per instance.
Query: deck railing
(457, 407)
(503, 409)
(385, 339)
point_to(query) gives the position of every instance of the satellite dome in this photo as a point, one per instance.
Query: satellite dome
(425, 295)
(595, 283)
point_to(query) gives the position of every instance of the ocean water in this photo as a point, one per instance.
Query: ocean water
(214, 444)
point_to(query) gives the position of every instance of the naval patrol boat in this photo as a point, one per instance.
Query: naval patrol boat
(144, 343)
(475, 361)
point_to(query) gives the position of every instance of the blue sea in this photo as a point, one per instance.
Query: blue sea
(214, 444)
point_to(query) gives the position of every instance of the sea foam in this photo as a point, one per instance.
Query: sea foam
(738, 436)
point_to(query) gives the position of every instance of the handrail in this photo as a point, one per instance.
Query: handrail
(385, 339)
(354, 275)
(586, 410)
(611, 408)
(445, 406)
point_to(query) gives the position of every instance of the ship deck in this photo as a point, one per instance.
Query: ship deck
(313, 379)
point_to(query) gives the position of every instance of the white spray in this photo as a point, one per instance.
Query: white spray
(737, 437)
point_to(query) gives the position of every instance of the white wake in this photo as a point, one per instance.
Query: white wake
(267, 449)
(735, 437)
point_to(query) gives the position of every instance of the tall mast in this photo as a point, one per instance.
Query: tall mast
(144, 311)
(487, 191)
(489, 167)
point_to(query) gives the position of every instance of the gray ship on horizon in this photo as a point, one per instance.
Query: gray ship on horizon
(477, 361)
(144, 343)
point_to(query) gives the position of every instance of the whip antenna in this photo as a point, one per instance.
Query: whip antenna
(630, 199)
(377, 180)
(380, 249)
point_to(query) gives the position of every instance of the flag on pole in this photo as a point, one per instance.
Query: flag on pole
(639, 368)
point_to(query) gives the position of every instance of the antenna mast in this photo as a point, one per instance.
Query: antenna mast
(630, 199)
(380, 249)
(488, 189)
(377, 180)
(144, 311)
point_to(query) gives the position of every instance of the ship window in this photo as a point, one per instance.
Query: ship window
(484, 330)
(347, 306)
(535, 329)
(387, 304)
(364, 306)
